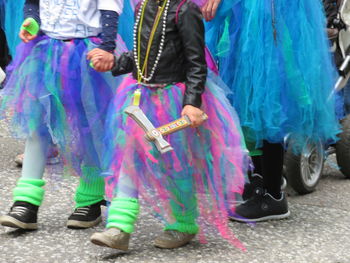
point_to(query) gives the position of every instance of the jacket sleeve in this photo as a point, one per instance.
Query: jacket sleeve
(191, 29)
(109, 21)
(123, 64)
(31, 9)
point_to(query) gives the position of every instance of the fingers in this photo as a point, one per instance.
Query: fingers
(26, 23)
(195, 118)
(25, 36)
(101, 60)
(197, 121)
(92, 53)
(214, 9)
(102, 63)
(209, 9)
(203, 9)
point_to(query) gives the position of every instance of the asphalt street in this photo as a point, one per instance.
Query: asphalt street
(317, 231)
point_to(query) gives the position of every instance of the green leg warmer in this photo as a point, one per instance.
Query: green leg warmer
(184, 207)
(123, 213)
(91, 187)
(29, 190)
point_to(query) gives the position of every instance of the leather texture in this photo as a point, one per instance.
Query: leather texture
(183, 56)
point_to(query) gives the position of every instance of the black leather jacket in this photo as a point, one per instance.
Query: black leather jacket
(183, 57)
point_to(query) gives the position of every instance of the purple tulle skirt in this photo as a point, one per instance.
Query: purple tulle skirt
(51, 86)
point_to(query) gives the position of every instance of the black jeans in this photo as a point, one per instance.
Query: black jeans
(270, 166)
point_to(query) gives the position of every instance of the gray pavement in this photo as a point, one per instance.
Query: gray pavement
(318, 230)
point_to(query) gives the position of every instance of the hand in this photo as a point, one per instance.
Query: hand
(194, 114)
(24, 34)
(102, 60)
(210, 8)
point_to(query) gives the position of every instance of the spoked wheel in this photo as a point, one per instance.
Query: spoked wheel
(304, 170)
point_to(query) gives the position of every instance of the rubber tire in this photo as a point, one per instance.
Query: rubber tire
(292, 166)
(343, 148)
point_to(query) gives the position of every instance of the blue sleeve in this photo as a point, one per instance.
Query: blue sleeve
(31, 9)
(109, 21)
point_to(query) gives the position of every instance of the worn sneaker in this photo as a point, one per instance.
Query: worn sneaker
(261, 207)
(22, 215)
(113, 238)
(86, 217)
(256, 181)
(19, 160)
(173, 239)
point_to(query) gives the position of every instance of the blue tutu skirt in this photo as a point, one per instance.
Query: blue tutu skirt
(13, 22)
(51, 85)
(275, 57)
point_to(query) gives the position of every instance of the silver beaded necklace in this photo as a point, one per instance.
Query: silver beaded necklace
(161, 45)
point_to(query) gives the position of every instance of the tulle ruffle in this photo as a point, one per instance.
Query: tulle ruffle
(13, 22)
(277, 62)
(209, 161)
(51, 84)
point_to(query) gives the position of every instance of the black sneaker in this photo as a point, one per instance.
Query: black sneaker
(22, 215)
(256, 183)
(86, 217)
(261, 207)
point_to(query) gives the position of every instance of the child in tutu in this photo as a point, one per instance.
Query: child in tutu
(54, 95)
(188, 187)
(275, 57)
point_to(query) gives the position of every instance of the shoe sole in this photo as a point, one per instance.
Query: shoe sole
(13, 222)
(104, 243)
(164, 245)
(261, 219)
(74, 224)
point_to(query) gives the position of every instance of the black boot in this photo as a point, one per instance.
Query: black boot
(22, 215)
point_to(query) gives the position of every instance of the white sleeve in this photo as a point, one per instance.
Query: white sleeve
(112, 5)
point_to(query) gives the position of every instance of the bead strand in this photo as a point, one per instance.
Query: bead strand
(161, 45)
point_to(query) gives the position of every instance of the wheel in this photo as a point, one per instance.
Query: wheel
(343, 148)
(304, 171)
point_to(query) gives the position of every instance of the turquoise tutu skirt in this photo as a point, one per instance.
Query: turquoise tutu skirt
(274, 55)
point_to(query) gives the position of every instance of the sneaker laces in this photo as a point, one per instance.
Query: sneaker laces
(18, 210)
(83, 211)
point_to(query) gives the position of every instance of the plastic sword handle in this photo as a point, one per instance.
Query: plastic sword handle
(172, 127)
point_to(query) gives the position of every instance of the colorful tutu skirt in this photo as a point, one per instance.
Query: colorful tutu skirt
(204, 173)
(51, 85)
(274, 55)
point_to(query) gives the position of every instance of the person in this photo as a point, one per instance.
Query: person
(11, 23)
(54, 95)
(274, 55)
(4, 49)
(188, 187)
